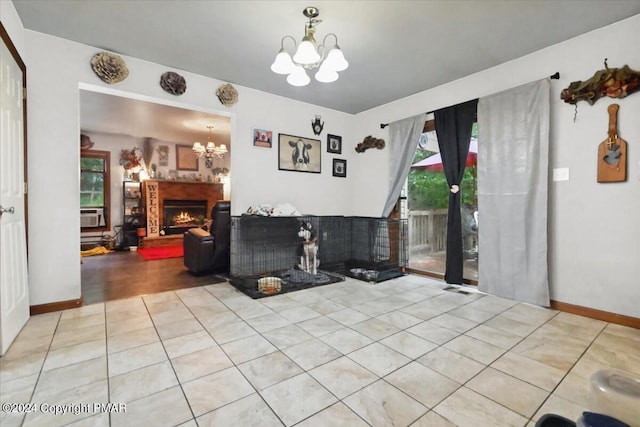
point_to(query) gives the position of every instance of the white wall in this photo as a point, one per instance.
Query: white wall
(56, 69)
(13, 24)
(594, 229)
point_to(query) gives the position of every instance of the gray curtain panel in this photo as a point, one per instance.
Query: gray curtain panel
(403, 141)
(513, 151)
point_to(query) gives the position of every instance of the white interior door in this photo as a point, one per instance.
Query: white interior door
(14, 295)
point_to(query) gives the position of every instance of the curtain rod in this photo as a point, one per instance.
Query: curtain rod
(555, 76)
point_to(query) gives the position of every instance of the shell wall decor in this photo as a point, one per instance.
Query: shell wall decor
(227, 94)
(173, 83)
(109, 67)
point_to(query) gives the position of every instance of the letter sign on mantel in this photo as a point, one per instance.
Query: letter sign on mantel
(153, 227)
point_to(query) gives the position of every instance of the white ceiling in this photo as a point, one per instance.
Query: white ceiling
(105, 113)
(395, 48)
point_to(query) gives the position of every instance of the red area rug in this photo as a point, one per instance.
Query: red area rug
(161, 252)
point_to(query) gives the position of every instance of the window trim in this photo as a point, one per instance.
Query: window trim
(106, 156)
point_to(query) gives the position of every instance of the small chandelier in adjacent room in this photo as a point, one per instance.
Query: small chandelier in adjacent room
(211, 150)
(310, 56)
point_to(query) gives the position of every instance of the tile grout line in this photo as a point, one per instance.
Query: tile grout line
(227, 355)
(489, 365)
(570, 369)
(304, 371)
(155, 327)
(35, 386)
(106, 356)
(294, 362)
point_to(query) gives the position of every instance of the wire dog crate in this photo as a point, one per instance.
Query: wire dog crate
(266, 252)
(265, 255)
(378, 249)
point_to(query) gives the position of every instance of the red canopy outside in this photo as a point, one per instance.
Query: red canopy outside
(434, 162)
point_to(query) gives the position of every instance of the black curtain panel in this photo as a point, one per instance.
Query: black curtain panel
(453, 127)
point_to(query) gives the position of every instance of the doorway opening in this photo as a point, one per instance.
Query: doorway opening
(145, 141)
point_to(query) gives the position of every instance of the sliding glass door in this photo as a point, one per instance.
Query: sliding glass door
(427, 195)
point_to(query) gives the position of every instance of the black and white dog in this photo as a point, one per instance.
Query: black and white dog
(300, 154)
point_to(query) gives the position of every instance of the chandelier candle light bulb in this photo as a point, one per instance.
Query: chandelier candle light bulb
(335, 59)
(325, 74)
(308, 55)
(298, 77)
(283, 63)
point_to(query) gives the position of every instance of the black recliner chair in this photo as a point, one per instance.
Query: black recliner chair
(209, 252)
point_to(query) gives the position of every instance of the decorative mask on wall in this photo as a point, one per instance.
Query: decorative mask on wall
(317, 126)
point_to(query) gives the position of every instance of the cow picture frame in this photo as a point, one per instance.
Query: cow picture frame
(340, 168)
(334, 144)
(299, 154)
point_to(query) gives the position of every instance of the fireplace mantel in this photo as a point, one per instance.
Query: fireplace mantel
(156, 191)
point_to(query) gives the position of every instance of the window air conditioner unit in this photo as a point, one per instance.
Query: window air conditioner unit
(92, 218)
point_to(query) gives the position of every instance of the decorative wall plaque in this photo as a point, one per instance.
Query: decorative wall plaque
(369, 142)
(173, 83)
(227, 94)
(109, 67)
(612, 152)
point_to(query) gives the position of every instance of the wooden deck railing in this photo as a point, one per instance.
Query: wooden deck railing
(428, 229)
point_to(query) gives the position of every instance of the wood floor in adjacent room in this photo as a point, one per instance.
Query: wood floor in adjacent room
(120, 275)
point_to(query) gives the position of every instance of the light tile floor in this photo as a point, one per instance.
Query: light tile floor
(399, 353)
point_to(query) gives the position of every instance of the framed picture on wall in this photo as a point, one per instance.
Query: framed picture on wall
(186, 160)
(340, 168)
(298, 154)
(163, 155)
(262, 138)
(334, 144)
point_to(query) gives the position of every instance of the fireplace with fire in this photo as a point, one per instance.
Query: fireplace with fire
(181, 215)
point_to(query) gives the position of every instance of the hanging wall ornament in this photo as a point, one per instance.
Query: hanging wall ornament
(369, 142)
(611, 82)
(227, 94)
(109, 67)
(173, 83)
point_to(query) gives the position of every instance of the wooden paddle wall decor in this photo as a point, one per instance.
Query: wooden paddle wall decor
(612, 152)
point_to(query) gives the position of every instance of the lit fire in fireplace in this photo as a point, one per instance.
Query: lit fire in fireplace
(183, 218)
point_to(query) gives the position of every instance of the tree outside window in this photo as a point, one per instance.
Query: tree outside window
(94, 180)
